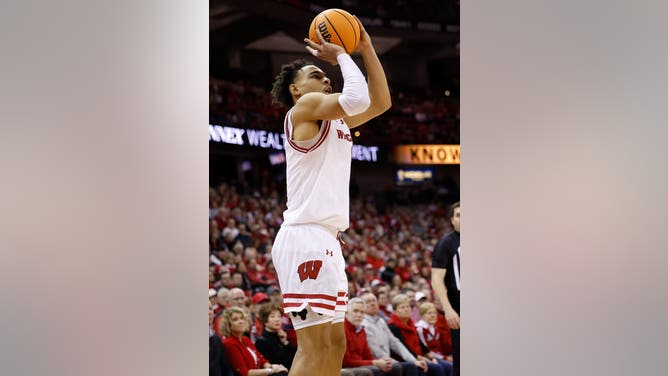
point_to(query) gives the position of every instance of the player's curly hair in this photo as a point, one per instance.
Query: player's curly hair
(280, 91)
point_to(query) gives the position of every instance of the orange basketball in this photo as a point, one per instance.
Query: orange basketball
(336, 26)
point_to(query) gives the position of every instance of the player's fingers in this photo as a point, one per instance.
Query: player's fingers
(360, 23)
(320, 37)
(313, 51)
(312, 43)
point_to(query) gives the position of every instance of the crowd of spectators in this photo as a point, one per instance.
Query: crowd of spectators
(393, 246)
(416, 116)
(387, 252)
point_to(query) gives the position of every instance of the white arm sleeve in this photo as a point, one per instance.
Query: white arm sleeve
(354, 98)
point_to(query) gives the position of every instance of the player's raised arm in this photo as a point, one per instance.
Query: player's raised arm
(379, 92)
(320, 104)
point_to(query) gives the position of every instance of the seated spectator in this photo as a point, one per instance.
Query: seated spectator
(273, 344)
(256, 323)
(444, 330)
(403, 328)
(429, 334)
(276, 297)
(237, 298)
(384, 306)
(241, 352)
(212, 296)
(412, 300)
(357, 352)
(381, 341)
(218, 363)
(222, 300)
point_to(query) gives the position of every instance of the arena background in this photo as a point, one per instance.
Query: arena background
(418, 45)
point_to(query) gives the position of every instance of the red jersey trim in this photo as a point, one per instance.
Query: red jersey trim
(288, 135)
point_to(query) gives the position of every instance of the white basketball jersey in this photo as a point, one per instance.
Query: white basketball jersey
(318, 176)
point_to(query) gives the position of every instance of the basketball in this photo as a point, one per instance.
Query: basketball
(336, 26)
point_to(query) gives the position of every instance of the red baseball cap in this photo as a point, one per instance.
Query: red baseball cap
(259, 297)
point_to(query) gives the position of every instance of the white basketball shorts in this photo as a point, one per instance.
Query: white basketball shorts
(311, 274)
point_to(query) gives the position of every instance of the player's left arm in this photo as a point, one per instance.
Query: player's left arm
(379, 92)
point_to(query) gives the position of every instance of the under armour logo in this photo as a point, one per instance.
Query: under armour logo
(329, 253)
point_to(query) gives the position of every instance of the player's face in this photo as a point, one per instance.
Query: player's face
(274, 321)
(312, 79)
(455, 219)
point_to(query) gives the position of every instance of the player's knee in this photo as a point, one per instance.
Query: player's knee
(315, 350)
(338, 345)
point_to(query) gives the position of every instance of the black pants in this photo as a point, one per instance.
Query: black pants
(454, 335)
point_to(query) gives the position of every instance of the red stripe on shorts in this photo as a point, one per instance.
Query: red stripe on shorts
(309, 296)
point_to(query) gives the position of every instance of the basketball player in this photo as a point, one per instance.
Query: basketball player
(445, 274)
(306, 252)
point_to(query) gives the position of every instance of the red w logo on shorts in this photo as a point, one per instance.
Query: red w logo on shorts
(309, 269)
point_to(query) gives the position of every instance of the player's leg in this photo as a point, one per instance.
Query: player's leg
(337, 349)
(312, 350)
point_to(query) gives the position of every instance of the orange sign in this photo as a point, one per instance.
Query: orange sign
(426, 154)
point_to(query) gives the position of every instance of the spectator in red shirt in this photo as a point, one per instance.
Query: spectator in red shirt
(237, 298)
(429, 334)
(358, 353)
(403, 328)
(258, 300)
(218, 363)
(242, 354)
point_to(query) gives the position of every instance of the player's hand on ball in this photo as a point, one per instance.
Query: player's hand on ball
(365, 39)
(324, 51)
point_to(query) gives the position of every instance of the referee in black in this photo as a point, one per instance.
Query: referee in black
(445, 271)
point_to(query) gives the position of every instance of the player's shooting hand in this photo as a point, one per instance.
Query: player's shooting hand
(324, 50)
(365, 39)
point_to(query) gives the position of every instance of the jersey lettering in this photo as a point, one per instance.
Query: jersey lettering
(309, 270)
(342, 135)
